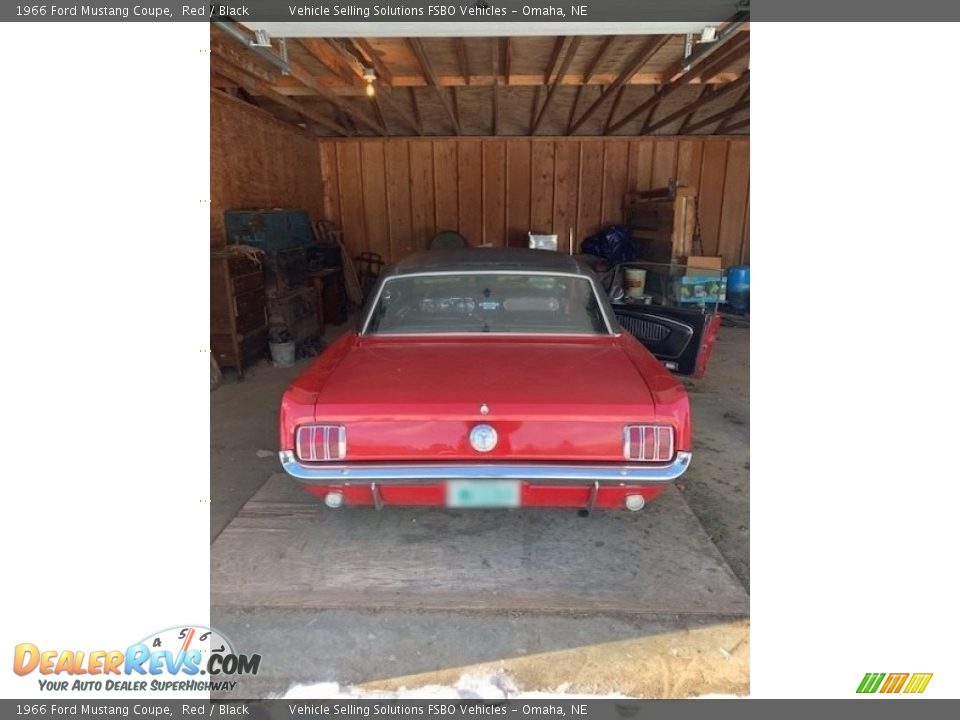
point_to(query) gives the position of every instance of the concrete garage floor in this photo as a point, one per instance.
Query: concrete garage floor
(640, 603)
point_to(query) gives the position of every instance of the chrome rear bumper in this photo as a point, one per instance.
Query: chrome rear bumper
(544, 473)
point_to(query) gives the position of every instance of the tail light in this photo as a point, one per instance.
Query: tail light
(321, 442)
(648, 443)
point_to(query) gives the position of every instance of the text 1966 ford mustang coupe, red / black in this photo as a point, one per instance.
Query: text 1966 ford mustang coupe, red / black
(486, 378)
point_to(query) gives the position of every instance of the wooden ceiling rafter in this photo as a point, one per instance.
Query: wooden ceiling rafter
(734, 54)
(301, 75)
(223, 67)
(383, 91)
(246, 96)
(739, 125)
(324, 52)
(679, 78)
(702, 98)
(571, 52)
(723, 125)
(647, 121)
(371, 57)
(533, 109)
(330, 78)
(613, 108)
(418, 120)
(597, 57)
(505, 62)
(350, 64)
(588, 76)
(686, 66)
(558, 46)
(517, 79)
(722, 115)
(417, 47)
(245, 61)
(736, 47)
(700, 102)
(220, 82)
(378, 109)
(464, 59)
(633, 66)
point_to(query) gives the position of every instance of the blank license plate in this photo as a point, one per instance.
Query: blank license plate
(483, 493)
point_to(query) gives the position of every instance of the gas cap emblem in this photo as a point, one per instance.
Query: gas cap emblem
(484, 409)
(483, 438)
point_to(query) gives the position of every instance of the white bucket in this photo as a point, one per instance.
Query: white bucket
(283, 354)
(634, 281)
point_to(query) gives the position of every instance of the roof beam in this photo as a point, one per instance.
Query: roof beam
(505, 50)
(305, 78)
(418, 126)
(701, 99)
(738, 125)
(327, 55)
(223, 67)
(464, 59)
(637, 61)
(723, 125)
(648, 121)
(370, 56)
(245, 61)
(700, 102)
(595, 60)
(679, 80)
(722, 115)
(486, 79)
(554, 56)
(381, 119)
(588, 76)
(730, 33)
(533, 108)
(340, 60)
(567, 59)
(737, 51)
(431, 78)
(613, 108)
(573, 108)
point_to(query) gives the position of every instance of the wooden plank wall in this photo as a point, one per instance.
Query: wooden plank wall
(391, 196)
(257, 161)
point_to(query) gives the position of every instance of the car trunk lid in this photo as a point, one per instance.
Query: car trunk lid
(564, 399)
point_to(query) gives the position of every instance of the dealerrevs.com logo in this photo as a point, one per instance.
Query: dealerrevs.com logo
(910, 683)
(182, 659)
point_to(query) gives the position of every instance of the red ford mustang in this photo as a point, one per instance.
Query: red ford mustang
(486, 378)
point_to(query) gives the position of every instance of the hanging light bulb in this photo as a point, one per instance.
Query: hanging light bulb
(369, 75)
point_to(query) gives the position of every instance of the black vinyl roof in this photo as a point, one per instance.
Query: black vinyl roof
(475, 259)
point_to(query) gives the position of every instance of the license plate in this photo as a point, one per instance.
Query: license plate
(483, 493)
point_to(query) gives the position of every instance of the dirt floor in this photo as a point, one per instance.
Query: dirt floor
(685, 634)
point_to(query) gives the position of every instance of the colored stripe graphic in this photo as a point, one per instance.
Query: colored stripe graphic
(918, 682)
(870, 682)
(894, 682)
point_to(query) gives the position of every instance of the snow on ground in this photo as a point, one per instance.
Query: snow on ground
(488, 686)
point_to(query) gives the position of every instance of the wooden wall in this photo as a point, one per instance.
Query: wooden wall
(257, 161)
(391, 196)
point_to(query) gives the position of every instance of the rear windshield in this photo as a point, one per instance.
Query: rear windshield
(487, 303)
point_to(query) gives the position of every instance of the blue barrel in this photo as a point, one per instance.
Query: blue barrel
(738, 288)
